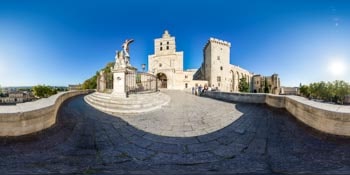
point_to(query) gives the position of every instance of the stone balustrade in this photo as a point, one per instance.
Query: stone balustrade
(328, 118)
(31, 117)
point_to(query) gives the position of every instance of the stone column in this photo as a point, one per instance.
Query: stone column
(102, 85)
(101, 82)
(98, 84)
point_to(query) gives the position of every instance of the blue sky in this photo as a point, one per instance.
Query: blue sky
(65, 42)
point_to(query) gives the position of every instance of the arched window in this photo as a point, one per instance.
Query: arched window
(167, 47)
(161, 43)
(221, 68)
(160, 64)
(161, 48)
(167, 43)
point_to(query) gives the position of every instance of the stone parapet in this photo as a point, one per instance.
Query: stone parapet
(236, 97)
(328, 118)
(31, 117)
(277, 101)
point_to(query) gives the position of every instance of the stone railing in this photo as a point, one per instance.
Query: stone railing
(328, 118)
(31, 117)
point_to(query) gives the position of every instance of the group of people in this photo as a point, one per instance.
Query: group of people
(199, 90)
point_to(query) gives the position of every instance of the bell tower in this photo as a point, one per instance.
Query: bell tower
(165, 45)
(165, 56)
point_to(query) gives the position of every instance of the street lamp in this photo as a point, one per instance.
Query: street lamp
(143, 67)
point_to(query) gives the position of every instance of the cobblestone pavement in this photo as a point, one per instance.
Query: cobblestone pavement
(259, 140)
(186, 116)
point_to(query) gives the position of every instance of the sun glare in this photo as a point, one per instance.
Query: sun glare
(337, 67)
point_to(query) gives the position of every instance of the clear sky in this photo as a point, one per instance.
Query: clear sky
(67, 41)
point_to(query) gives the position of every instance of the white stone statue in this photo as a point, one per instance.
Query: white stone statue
(119, 60)
(125, 47)
(122, 58)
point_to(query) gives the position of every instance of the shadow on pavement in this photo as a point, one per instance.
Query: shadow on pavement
(263, 140)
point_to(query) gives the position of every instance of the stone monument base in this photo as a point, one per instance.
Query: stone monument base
(135, 103)
(120, 76)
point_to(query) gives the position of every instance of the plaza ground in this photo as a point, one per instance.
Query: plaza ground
(191, 135)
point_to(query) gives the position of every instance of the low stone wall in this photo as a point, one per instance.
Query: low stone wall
(277, 101)
(31, 117)
(236, 97)
(328, 118)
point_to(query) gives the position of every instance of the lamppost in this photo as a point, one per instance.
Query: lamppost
(143, 67)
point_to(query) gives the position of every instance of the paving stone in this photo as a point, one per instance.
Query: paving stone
(166, 158)
(229, 151)
(198, 158)
(228, 138)
(136, 152)
(167, 148)
(245, 139)
(140, 141)
(200, 147)
(257, 146)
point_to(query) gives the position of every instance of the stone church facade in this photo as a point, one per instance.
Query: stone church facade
(167, 64)
(216, 71)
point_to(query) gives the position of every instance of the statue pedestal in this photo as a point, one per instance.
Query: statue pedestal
(119, 81)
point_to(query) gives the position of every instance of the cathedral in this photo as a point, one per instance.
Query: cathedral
(215, 71)
(167, 64)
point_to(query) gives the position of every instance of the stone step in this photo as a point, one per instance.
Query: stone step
(105, 95)
(139, 103)
(125, 110)
(126, 105)
(112, 110)
(131, 99)
(136, 103)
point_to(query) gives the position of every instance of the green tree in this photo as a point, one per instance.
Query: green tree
(266, 88)
(304, 90)
(91, 83)
(243, 85)
(1, 92)
(331, 91)
(342, 89)
(43, 91)
(107, 68)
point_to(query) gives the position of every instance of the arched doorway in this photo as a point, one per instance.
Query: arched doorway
(162, 80)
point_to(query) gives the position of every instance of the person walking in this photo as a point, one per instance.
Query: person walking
(196, 90)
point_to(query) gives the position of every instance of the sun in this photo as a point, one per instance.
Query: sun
(337, 67)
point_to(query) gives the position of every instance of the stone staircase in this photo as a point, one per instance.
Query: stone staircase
(135, 103)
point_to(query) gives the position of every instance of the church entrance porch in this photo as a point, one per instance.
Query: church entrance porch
(163, 81)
